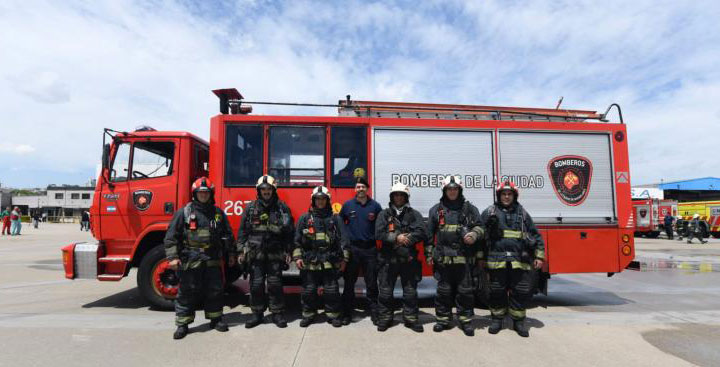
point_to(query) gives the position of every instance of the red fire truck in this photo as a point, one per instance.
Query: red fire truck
(571, 167)
(650, 215)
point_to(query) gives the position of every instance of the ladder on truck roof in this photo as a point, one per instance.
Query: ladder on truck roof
(459, 112)
(232, 101)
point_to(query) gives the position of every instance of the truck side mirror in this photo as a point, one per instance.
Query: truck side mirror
(106, 156)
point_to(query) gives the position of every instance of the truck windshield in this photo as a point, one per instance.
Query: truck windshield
(297, 155)
(152, 159)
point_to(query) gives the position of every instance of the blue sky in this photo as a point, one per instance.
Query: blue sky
(70, 68)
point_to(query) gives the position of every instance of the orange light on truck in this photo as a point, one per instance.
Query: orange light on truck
(626, 238)
(626, 250)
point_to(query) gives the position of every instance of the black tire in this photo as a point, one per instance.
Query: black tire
(715, 234)
(145, 279)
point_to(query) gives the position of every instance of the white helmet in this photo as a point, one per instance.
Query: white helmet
(266, 181)
(401, 188)
(321, 191)
(452, 181)
(696, 216)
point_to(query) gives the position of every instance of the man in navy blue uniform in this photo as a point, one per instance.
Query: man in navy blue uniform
(358, 215)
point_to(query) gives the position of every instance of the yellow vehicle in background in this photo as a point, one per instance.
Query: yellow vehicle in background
(709, 211)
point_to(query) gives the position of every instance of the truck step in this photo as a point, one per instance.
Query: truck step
(112, 259)
(109, 277)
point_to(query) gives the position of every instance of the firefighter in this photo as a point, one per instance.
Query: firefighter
(400, 228)
(668, 223)
(264, 240)
(681, 227)
(320, 258)
(696, 229)
(453, 248)
(198, 238)
(515, 250)
(358, 215)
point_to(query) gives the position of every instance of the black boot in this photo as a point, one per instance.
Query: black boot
(307, 321)
(383, 325)
(495, 326)
(219, 325)
(519, 326)
(440, 327)
(180, 332)
(346, 318)
(414, 326)
(374, 317)
(255, 320)
(467, 328)
(279, 320)
(336, 322)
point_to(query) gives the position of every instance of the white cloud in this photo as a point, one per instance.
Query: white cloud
(76, 67)
(16, 148)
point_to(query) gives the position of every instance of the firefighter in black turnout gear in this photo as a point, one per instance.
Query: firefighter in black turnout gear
(264, 241)
(400, 228)
(198, 238)
(320, 258)
(515, 250)
(454, 248)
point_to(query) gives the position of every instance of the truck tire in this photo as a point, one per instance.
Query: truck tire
(156, 282)
(715, 234)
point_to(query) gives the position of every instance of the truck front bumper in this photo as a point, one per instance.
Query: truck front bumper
(80, 260)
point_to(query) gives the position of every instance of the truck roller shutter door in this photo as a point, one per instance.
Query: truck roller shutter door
(525, 155)
(419, 158)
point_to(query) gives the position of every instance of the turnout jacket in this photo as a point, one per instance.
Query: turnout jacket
(448, 223)
(390, 224)
(318, 240)
(266, 230)
(199, 233)
(511, 237)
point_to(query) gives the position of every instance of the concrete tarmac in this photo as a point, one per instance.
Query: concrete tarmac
(664, 316)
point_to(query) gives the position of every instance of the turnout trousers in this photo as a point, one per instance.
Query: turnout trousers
(260, 272)
(387, 277)
(454, 287)
(311, 281)
(202, 285)
(365, 259)
(510, 291)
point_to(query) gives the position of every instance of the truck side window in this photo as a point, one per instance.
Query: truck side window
(121, 163)
(297, 155)
(152, 159)
(348, 155)
(200, 161)
(243, 154)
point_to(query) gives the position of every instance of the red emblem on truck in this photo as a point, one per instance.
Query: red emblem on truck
(570, 176)
(142, 199)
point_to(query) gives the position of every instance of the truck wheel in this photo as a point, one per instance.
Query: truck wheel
(653, 234)
(156, 282)
(715, 234)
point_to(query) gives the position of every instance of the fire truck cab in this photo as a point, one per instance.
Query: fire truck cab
(573, 176)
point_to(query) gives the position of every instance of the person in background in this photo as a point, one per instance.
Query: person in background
(35, 219)
(16, 224)
(85, 221)
(5, 216)
(668, 223)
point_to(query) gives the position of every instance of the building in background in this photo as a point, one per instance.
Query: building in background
(5, 198)
(697, 189)
(56, 202)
